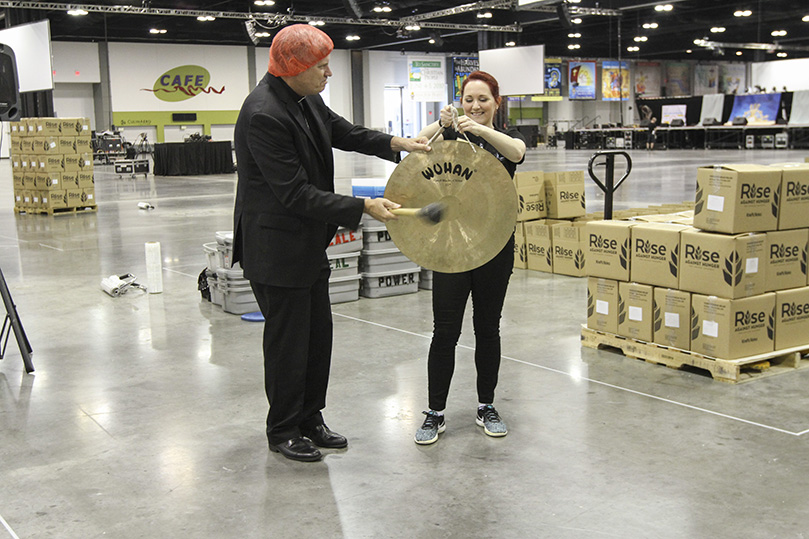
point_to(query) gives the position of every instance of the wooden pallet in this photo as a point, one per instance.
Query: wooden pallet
(725, 370)
(56, 211)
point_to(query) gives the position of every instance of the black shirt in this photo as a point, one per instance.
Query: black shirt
(511, 167)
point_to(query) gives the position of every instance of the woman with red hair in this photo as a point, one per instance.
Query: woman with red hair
(487, 284)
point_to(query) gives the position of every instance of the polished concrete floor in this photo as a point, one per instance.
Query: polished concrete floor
(145, 416)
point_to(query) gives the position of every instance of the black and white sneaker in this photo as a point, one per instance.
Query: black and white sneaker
(433, 426)
(489, 419)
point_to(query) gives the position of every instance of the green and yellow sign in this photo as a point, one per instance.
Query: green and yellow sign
(183, 82)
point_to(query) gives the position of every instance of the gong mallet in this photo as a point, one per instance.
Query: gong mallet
(432, 213)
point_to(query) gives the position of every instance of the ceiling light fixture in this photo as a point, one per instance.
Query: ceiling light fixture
(382, 8)
(264, 2)
(263, 34)
(738, 53)
(633, 49)
(484, 15)
(718, 29)
(576, 21)
(511, 44)
(782, 55)
(206, 18)
(650, 25)
(76, 12)
(778, 33)
(742, 13)
(157, 31)
(353, 38)
(412, 27)
(576, 35)
(689, 51)
(664, 7)
(639, 39)
(805, 18)
(317, 23)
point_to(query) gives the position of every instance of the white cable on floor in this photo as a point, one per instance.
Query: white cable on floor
(8, 528)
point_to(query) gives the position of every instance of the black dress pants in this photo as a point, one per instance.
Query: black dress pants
(297, 355)
(487, 285)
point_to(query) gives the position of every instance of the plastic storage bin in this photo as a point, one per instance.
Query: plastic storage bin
(344, 289)
(390, 283)
(383, 260)
(345, 241)
(344, 264)
(376, 237)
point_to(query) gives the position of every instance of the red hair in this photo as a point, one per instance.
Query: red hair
(490, 81)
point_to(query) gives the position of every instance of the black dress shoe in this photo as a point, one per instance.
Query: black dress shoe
(322, 436)
(297, 449)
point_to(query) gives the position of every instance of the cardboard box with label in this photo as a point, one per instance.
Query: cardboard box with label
(656, 254)
(733, 328)
(74, 198)
(87, 179)
(568, 253)
(84, 144)
(635, 302)
(672, 318)
(737, 198)
(48, 127)
(50, 163)
(602, 304)
(539, 244)
(18, 177)
(608, 250)
(786, 257)
(67, 144)
(75, 126)
(88, 196)
(48, 181)
(564, 194)
(793, 211)
(792, 318)
(728, 266)
(530, 203)
(85, 162)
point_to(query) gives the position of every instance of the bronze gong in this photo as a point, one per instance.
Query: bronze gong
(478, 200)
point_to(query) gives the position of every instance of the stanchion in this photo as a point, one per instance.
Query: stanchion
(609, 186)
(12, 322)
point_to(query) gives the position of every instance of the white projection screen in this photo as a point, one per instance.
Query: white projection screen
(519, 70)
(31, 44)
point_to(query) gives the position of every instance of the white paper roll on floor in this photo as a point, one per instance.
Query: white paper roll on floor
(154, 267)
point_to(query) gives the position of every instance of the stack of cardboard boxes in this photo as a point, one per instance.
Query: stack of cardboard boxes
(733, 285)
(547, 238)
(52, 164)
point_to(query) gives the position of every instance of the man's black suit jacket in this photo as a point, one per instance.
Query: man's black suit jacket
(286, 211)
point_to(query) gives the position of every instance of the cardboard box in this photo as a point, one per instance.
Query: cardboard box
(564, 194)
(75, 126)
(29, 180)
(672, 318)
(71, 162)
(48, 181)
(70, 180)
(85, 161)
(568, 254)
(87, 179)
(728, 266)
(602, 304)
(67, 145)
(737, 198)
(28, 162)
(607, 245)
(88, 197)
(520, 253)
(786, 257)
(52, 200)
(84, 144)
(50, 163)
(733, 328)
(655, 254)
(531, 203)
(529, 178)
(48, 145)
(74, 198)
(48, 127)
(539, 244)
(791, 318)
(793, 209)
(635, 302)
(18, 177)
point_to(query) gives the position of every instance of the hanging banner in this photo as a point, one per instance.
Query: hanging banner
(614, 81)
(553, 80)
(732, 78)
(678, 79)
(759, 109)
(647, 79)
(427, 79)
(581, 80)
(706, 79)
(462, 66)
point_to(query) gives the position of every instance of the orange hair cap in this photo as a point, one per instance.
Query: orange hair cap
(296, 48)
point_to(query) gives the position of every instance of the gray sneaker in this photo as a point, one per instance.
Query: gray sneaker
(433, 426)
(489, 419)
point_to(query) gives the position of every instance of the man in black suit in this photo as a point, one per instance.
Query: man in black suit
(286, 214)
